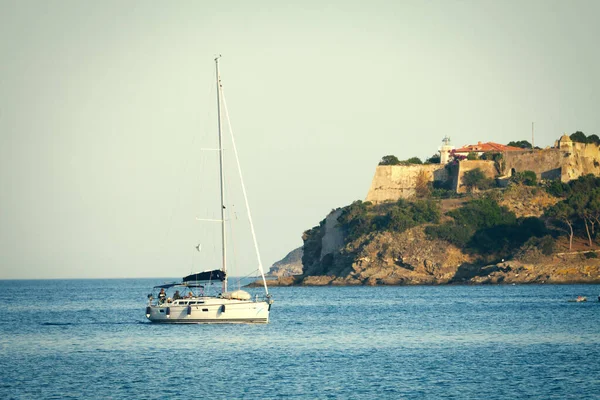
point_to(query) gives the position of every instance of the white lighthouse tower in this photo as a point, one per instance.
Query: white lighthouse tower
(445, 150)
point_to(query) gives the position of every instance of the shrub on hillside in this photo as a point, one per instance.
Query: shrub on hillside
(475, 178)
(527, 178)
(443, 194)
(557, 188)
(491, 156)
(359, 219)
(485, 228)
(458, 235)
(534, 249)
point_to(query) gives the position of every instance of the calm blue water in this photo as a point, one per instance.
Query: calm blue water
(90, 339)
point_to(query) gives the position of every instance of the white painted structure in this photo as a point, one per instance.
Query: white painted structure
(445, 150)
(212, 310)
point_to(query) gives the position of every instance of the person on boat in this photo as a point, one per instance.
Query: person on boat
(162, 296)
(189, 295)
(176, 295)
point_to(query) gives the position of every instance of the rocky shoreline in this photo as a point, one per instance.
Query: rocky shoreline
(567, 268)
(336, 253)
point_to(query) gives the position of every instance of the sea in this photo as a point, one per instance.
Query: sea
(74, 339)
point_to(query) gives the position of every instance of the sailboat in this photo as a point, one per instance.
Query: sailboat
(193, 305)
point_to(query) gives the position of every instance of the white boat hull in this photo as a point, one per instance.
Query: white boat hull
(210, 310)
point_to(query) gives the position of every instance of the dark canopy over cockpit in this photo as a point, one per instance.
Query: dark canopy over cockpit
(170, 285)
(217, 274)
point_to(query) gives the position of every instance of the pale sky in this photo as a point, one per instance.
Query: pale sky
(105, 105)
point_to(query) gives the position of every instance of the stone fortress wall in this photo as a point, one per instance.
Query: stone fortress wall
(580, 159)
(566, 161)
(487, 167)
(393, 182)
(545, 163)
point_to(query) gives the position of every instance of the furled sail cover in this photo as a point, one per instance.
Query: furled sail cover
(237, 295)
(217, 274)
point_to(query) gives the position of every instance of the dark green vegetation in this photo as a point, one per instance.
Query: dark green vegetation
(393, 160)
(481, 226)
(527, 178)
(582, 138)
(579, 211)
(434, 159)
(484, 228)
(524, 144)
(361, 218)
(477, 179)
(389, 160)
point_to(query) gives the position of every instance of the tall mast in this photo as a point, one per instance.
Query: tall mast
(222, 177)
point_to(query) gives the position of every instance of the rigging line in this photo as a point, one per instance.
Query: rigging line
(260, 267)
(253, 274)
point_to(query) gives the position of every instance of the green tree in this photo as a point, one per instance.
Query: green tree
(414, 160)
(527, 178)
(593, 139)
(557, 188)
(434, 159)
(579, 137)
(524, 144)
(472, 156)
(578, 202)
(594, 208)
(473, 179)
(563, 213)
(389, 160)
(583, 199)
(484, 227)
(491, 156)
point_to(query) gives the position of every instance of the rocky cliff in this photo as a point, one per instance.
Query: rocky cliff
(411, 258)
(387, 258)
(290, 265)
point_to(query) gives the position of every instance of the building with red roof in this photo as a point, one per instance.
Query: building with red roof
(489, 147)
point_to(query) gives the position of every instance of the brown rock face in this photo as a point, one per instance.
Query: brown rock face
(410, 258)
(527, 201)
(290, 265)
(405, 258)
(385, 258)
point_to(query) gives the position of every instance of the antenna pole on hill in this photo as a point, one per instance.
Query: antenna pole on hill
(532, 143)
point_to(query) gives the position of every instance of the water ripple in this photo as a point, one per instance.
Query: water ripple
(493, 342)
